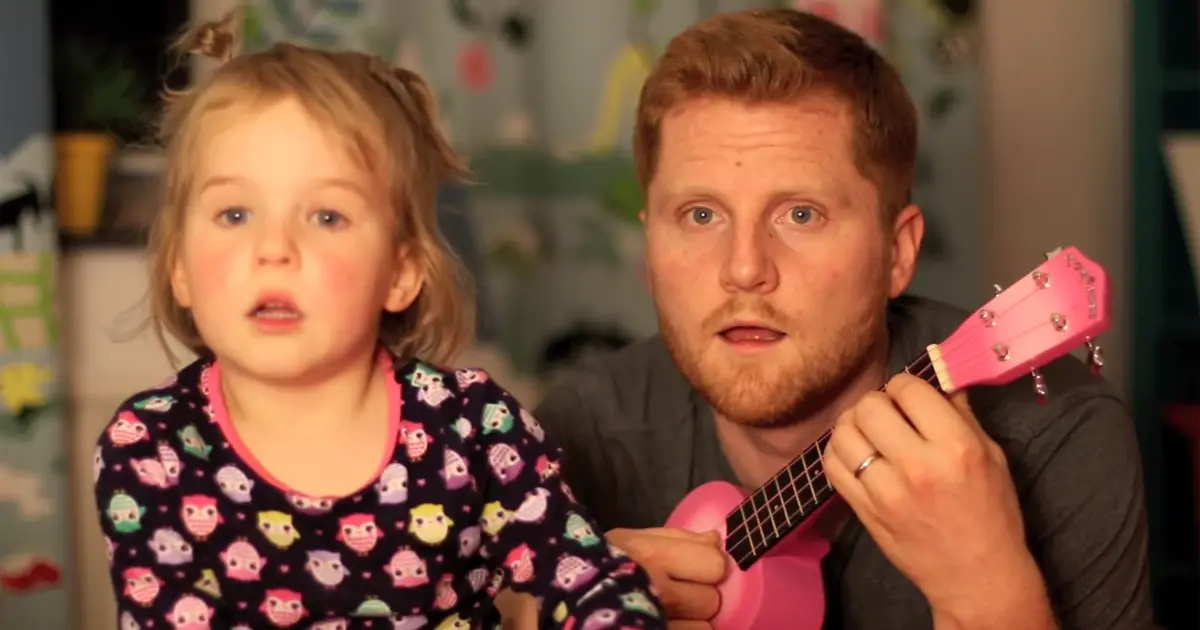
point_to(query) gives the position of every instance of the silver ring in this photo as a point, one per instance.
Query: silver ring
(865, 463)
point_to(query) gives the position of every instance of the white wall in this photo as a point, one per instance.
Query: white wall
(1057, 141)
(100, 290)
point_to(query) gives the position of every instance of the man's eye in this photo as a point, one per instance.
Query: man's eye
(700, 215)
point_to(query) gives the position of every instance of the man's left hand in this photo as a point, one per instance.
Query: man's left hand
(936, 496)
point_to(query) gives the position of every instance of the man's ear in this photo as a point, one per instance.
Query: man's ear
(408, 277)
(908, 229)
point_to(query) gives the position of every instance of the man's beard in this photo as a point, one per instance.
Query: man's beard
(817, 367)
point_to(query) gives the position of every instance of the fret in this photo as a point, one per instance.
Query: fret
(746, 525)
(757, 514)
(769, 508)
(791, 485)
(778, 502)
(819, 447)
(809, 467)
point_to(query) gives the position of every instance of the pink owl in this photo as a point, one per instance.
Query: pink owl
(573, 571)
(407, 569)
(190, 613)
(546, 467)
(242, 561)
(567, 491)
(200, 515)
(467, 377)
(520, 563)
(359, 532)
(506, 463)
(141, 585)
(477, 578)
(600, 620)
(283, 607)
(170, 462)
(150, 472)
(310, 505)
(454, 471)
(416, 440)
(126, 429)
(445, 597)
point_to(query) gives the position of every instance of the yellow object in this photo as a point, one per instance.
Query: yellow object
(21, 385)
(622, 85)
(81, 180)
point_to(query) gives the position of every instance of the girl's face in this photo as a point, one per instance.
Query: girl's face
(288, 257)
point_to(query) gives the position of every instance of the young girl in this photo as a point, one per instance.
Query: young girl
(315, 468)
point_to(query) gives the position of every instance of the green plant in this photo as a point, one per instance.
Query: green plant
(97, 88)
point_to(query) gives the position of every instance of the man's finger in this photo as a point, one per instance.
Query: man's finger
(689, 625)
(689, 601)
(690, 561)
(681, 555)
(616, 536)
(962, 403)
(927, 409)
(889, 432)
(711, 537)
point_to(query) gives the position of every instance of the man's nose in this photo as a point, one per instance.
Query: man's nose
(749, 266)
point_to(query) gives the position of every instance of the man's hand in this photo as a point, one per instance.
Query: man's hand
(937, 498)
(684, 567)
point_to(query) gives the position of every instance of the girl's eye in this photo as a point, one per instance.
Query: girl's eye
(700, 215)
(802, 215)
(329, 218)
(233, 216)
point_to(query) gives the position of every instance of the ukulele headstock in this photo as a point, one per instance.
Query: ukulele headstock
(1060, 305)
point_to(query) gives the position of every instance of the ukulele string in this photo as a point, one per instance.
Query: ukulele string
(757, 512)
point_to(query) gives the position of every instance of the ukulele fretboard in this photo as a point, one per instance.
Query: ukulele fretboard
(786, 500)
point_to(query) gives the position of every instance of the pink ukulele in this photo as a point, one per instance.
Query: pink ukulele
(775, 583)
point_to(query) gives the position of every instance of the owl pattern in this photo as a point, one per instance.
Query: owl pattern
(469, 503)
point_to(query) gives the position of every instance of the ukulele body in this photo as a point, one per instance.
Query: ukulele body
(783, 590)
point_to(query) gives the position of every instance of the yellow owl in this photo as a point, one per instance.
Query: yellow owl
(453, 622)
(429, 523)
(208, 583)
(494, 518)
(277, 527)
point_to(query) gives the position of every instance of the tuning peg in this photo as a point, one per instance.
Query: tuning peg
(1052, 253)
(998, 289)
(1095, 356)
(1039, 385)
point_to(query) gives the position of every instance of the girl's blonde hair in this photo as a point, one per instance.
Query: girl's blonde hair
(387, 119)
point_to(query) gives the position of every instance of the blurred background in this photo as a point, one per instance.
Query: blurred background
(1043, 124)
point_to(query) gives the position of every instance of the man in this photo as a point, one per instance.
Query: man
(777, 152)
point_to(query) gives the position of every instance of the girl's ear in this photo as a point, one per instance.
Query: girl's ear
(408, 278)
(180, 287)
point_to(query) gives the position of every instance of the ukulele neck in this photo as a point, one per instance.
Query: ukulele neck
(797, 491)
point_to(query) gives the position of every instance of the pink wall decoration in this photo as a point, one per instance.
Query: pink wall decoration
(864, 17)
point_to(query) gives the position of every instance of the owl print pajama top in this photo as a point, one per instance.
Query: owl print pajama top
(468, 503)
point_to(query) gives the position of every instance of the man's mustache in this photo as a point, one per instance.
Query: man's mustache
(742, 309)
